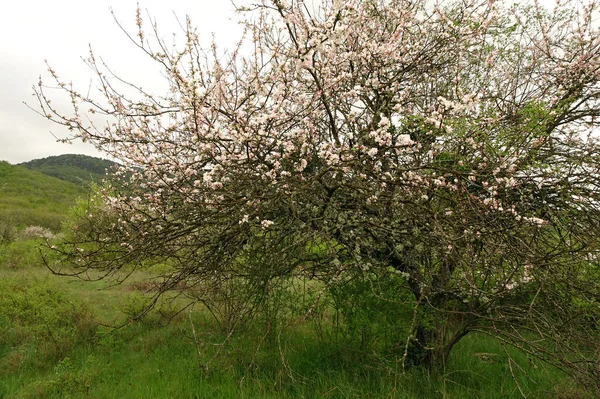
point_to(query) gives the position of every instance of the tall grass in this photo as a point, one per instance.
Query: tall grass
(192, 357)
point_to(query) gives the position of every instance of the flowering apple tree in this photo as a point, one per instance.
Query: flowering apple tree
(452, 144)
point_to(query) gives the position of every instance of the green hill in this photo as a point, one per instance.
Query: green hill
(75, 168)
(31, 198)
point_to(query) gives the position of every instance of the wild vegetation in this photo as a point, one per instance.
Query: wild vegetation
(438, 157)
(350, 204)
(57, 340)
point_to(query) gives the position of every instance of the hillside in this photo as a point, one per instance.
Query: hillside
(75, 168)
(29, 197)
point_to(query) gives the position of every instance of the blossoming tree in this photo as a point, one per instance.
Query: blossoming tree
(454, 144)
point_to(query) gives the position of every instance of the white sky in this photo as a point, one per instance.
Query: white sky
(61, 32)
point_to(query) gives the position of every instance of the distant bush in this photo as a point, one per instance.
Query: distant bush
(21, 254)
(36, 232)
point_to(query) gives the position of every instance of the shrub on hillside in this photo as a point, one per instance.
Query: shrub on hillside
(21, 254)
(7, 230)
(37, 232)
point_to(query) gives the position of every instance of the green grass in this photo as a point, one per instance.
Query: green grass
(30, 198)
(148, 359)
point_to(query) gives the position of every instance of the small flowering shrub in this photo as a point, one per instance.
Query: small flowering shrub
(32, 232)
(454, 142)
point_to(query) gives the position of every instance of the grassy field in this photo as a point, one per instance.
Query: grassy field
(55, 343)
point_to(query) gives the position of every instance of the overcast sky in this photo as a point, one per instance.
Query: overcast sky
(61, 31)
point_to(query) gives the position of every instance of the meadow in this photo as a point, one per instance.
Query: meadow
(59, 341)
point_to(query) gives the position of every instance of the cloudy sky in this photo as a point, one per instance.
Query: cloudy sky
(61, 32)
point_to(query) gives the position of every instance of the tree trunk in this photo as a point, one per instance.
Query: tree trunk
(432, 342)
(442, 318)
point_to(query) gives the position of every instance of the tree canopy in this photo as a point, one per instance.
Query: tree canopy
(453, 144)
